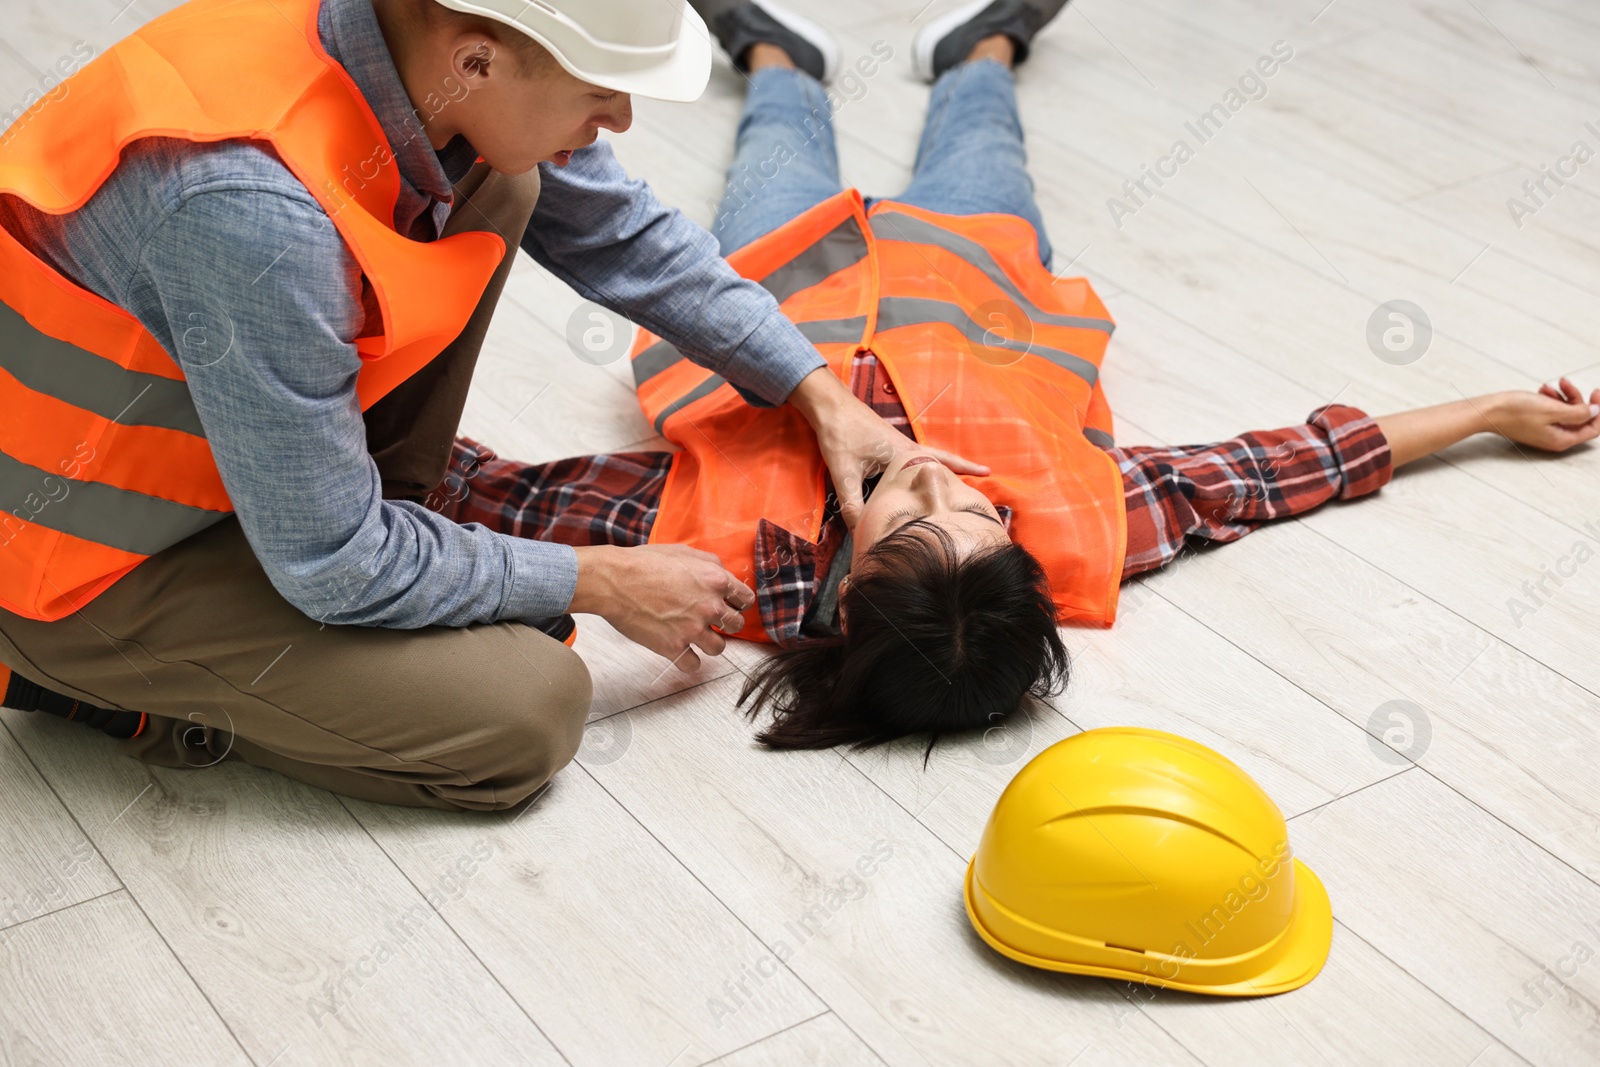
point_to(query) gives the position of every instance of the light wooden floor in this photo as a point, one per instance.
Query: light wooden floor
(636, 913)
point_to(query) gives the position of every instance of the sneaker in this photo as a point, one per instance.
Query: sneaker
(945, 41)
(23, 695)
(740, 24)
(563, 628)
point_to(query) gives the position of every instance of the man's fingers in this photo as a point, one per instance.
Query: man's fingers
(850, 501)
(959, 464)
(711, 643)
(850, 512)
(731, 622)
(686, 661)
(738, 595)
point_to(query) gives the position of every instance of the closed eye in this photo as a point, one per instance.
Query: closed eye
(976, 509)
(906, 514)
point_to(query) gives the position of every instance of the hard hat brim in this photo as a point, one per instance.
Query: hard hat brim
(1298, 956)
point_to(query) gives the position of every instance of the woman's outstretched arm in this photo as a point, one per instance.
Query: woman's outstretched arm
(1180, 495)
(1553, 419)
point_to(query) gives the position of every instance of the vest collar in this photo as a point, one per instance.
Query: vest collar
(350, 33)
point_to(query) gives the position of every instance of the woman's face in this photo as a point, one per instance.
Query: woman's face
(917, 486)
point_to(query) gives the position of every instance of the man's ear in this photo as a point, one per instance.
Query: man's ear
(474, 57)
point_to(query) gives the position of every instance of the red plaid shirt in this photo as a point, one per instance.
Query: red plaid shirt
(1212, 492)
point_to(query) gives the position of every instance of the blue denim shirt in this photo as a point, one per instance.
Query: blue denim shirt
(221, 253)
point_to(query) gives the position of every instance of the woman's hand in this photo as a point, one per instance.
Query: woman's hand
(855, 442)
(1554, 419)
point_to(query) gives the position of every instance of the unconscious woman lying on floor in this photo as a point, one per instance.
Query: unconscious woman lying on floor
(938, 611)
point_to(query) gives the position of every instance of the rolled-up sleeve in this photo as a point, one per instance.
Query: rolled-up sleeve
(1359, 450)
(265, 335)
(606, 235)
(1219, 492)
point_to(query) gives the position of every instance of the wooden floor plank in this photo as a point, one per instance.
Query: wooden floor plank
(1484, 918)
(1362, 1008)
(1502, 729)
(297, 928)
(1542, 234)
(1524, 113)
(1336, 231)
(1579, 11)
(1506, 39)
(1515, 548)
(94, 984)
(1279, 311)
(822, 1042)
(636, 913)
(850, 894)
(582, 916)
(1155, 669)
(535, 401)
(626, 675)
(49, 863)
(1548, 41)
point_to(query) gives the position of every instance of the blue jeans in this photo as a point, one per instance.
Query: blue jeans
(970, 159)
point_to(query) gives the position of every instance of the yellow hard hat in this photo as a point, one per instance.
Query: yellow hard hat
(1141, 855)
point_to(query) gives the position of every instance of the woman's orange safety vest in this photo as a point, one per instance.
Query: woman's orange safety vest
(103, 461)
(992, 357)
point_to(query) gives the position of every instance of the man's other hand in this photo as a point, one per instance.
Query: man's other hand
(664, 597)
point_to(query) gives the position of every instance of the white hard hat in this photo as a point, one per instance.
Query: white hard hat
(654, 48)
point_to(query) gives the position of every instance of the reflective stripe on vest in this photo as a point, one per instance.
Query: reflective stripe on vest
(897, 226)
(85, 380)
(661, 355)
(125, 520)
(913, 299)
(893, 312)
(105, 514)
(897, 311)
(842, 247)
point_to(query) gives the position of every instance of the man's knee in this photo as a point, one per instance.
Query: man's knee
(540, 727)
(562, 705)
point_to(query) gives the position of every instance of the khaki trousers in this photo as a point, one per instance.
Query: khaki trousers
(472, 718)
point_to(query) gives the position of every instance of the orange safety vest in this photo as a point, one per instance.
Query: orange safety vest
(992, 357)
(103, 461)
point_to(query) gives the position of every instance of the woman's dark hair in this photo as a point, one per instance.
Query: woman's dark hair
(936, 642)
